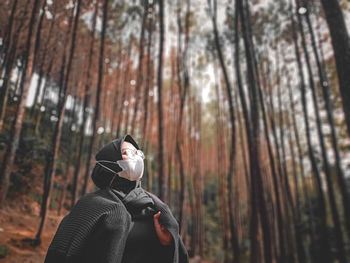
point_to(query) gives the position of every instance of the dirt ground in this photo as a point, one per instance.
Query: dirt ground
(19, 224)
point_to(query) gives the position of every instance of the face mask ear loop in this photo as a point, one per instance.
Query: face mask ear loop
(110, 184)
(115, 174)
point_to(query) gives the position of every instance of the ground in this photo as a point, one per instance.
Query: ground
(19, 224)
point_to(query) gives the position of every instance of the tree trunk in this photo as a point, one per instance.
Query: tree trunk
(7, 37)
(139, 80)
(95, 121)
(334, 209)
(282, 257)
(323, 252)
(35, 57)
(8, 61)
(234, 240)
(341, 48)
(9, 157)
(221, 173)
(329, 109)
(257, 190)
(50, 167)
(85, 111)
(161, 173)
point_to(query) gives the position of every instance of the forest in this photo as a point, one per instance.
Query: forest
(241, 107)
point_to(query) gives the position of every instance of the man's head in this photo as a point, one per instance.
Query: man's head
(107, 157)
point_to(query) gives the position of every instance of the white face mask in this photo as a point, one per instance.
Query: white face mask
(132, 168)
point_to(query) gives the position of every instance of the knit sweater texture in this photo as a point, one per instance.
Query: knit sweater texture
(97, 228)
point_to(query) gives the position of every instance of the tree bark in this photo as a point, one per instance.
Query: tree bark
(257, 190)
(95, 121)
(87, 94)
(16, 128)
(333, 206)
(8, 62)
(50, 167)
(323, 252)
(161, 173)
(324, 83)
(139, 80)
(341, 47)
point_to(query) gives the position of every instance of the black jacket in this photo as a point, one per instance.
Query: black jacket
(97, 228)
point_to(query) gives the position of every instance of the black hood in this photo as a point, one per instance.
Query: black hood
(111, 152)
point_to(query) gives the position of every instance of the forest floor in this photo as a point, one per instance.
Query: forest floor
(19, 222)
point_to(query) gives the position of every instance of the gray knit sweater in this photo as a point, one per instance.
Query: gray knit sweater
(97, 228)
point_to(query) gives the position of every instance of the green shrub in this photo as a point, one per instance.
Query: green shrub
(35, 197)
(4, 250)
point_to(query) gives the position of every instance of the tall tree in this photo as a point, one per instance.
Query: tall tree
(9, 61)
(52, 156)
(161, 171)
(87, 95)
(234, 241)
(258, 204)
(323, 252)
(341, 47)
(36, 49)
(16, 128)
(95, 121)
(183, 83)
(7, 36)
(139, 80)
(325, 161)
(324, 83)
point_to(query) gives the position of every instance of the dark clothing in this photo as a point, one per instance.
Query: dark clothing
(97, 230)
(143, 244)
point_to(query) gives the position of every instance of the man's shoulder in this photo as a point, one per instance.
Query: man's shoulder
(101, 198)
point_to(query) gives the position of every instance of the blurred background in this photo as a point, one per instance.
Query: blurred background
(242, 108)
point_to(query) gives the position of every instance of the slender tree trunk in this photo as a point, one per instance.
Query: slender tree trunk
(50, 168)
(124, 89)
(149, 71)
(67, 174)
(161, 174)
(334, 209)
(234, 240)
(36, 49)
(221, 173)
(341, 47)
(257, 190)
(41, 111)
(35, 57)
(329, 109)
(282, 257)
(95, 121)
(8, 62)
(9, 157)
(323, 252)
(83, 127)
(7, 37)
(139, 80)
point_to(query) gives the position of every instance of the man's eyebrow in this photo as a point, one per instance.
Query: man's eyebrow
(126, 148)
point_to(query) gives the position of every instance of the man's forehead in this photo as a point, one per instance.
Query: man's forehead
(127, 145)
